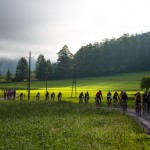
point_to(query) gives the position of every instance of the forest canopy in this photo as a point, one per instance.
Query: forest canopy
(128, 53)
(112, 56)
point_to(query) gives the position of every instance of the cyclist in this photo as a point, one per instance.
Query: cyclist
(38, 96)
(5, 94)
(145, 102)
(124, 102)
(98, 97)
(53, 96)
(47, 96)
(109, 98)
(21, 96)
(86, 97)
(14, 94)
(59, 96)
(120, 100)
(148, 102)
(138, 103)
(116, 98)
(81, 97)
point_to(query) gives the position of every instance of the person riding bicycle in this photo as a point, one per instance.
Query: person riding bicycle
(21, 96)
(109, 98)
(120, 100)
(98, 97)
(86, 97)
(124, 102)
(38, 96)
(148, 102)
(138, 103)
(47, 96)
(116, 98)
(53, 96)
(59, 96)
(145, 102)
(81, 97)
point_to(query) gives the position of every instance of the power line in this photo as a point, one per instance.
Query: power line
(74, 82)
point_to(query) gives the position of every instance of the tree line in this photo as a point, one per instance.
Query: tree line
(128, 53)
(125, 54)
(44, 69)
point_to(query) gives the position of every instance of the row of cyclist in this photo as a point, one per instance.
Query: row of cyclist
(120, 100)
(48, 95)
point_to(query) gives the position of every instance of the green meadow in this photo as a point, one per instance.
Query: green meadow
(44, 125)
(29, 125)
(129, 82)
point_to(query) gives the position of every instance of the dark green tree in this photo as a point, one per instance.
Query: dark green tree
(49, 69)
(145, 83)
(64, 61)
(8, 76)
(40, 68)
(21, 70)
(43, 68)
(124, 54)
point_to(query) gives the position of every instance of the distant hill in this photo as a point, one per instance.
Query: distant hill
(6, 63)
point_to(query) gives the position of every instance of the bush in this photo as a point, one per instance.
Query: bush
(145, 83)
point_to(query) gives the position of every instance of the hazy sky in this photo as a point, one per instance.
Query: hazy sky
(45, 26)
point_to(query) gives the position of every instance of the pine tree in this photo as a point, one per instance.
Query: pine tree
(64, 60)
(49, 69)
(21, 70)
(8, 76)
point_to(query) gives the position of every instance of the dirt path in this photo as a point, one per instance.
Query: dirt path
(143, 120)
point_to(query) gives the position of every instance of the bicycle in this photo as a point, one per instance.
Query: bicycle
(138, 109)
(124, 106)
(86, 99)
(80, 100)
(145, 108)
(59, 98)
(98, 101)
(109, 102)
(116, 104)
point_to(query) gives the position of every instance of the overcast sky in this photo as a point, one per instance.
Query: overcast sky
(45, 26)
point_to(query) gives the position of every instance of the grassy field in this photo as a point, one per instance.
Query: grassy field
(67, 125)
(30, 125)
(129, 82)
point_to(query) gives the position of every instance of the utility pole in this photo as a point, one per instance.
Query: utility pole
(0, 75)
(46, 80)
(29, 74)
(74, 81)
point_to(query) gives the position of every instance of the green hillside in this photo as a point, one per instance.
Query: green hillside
(129, 82)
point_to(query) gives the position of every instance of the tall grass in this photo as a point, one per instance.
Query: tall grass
(29, 125)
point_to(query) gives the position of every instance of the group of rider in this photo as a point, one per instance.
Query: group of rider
(99, 96)
(9, 94)
(120, 100)
(47, 96)
(84, 98)
(142, 101)
(115, 99)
